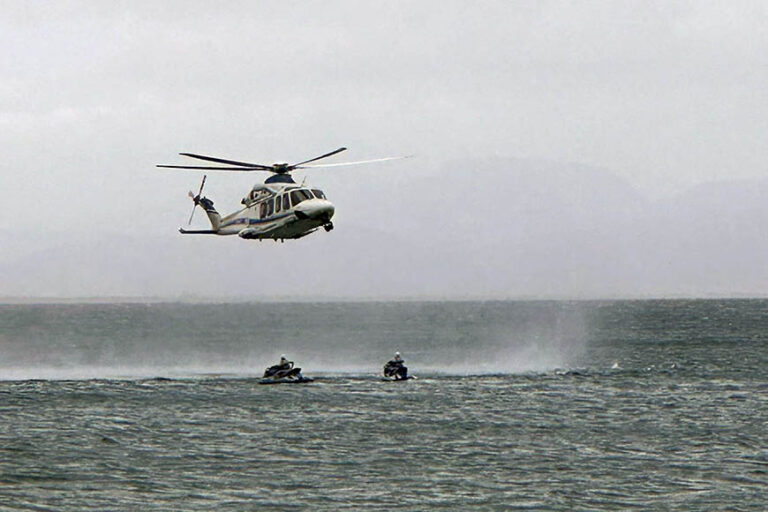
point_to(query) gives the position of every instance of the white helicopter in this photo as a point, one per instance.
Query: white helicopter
(278, 209)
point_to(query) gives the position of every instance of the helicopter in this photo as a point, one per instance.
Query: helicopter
(278, 209)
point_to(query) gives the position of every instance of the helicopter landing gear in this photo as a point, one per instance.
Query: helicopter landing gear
(328, 226)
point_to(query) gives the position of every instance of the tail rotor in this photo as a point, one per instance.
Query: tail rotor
(196, 199)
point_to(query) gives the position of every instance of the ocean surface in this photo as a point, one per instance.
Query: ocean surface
(629, 405)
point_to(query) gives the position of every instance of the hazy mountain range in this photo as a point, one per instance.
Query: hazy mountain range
(495, 228)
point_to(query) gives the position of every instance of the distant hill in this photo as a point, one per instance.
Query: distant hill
(499, 228)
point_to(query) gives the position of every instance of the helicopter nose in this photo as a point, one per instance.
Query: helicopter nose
(315, 209)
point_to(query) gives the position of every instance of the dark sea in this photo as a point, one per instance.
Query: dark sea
(628, 405)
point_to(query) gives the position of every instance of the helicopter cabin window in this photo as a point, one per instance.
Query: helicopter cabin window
(286, 202)
(270, 207)
(298, 196)
(278, 204)
(318, 193)
(263, 210)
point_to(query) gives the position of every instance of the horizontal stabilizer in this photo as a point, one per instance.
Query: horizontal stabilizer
(197, 231)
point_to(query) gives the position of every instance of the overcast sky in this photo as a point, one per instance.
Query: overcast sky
(661, 95)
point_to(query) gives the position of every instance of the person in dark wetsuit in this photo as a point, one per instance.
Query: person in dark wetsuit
(396, 368)
(283, 366)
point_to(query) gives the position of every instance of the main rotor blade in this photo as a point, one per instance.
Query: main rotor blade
(356, 163)
(223, 161)
(202, 168)
(318, 157)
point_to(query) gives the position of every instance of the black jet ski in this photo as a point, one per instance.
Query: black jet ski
(396, 370)
(283, 374)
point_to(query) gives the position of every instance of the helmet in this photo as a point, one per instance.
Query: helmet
(397, 353)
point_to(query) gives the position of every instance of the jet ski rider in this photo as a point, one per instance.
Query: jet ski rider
(283, 369)
(395, 367)
(284, 364)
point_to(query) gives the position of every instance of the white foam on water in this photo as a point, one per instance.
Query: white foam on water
(119, 372)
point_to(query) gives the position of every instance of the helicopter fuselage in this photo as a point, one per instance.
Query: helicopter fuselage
(275, 211)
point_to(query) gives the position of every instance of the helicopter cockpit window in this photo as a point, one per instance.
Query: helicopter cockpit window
(270, 207)
(263, 210)
(318, 193)
(298, 196)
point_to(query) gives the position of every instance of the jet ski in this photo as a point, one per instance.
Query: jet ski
(280, 374)
(396, 370)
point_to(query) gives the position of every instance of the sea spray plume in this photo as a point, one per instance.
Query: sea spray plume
(519, 337)
(82, 341)
(557, 340)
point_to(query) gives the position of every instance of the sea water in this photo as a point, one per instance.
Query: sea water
(629, 405)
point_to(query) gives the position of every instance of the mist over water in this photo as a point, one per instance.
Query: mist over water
(82, 341)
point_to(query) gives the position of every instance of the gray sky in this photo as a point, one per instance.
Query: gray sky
(661, 96)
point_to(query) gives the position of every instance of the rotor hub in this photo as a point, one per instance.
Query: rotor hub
(280, 167)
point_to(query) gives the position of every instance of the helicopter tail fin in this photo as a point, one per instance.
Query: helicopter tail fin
(210, 211)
